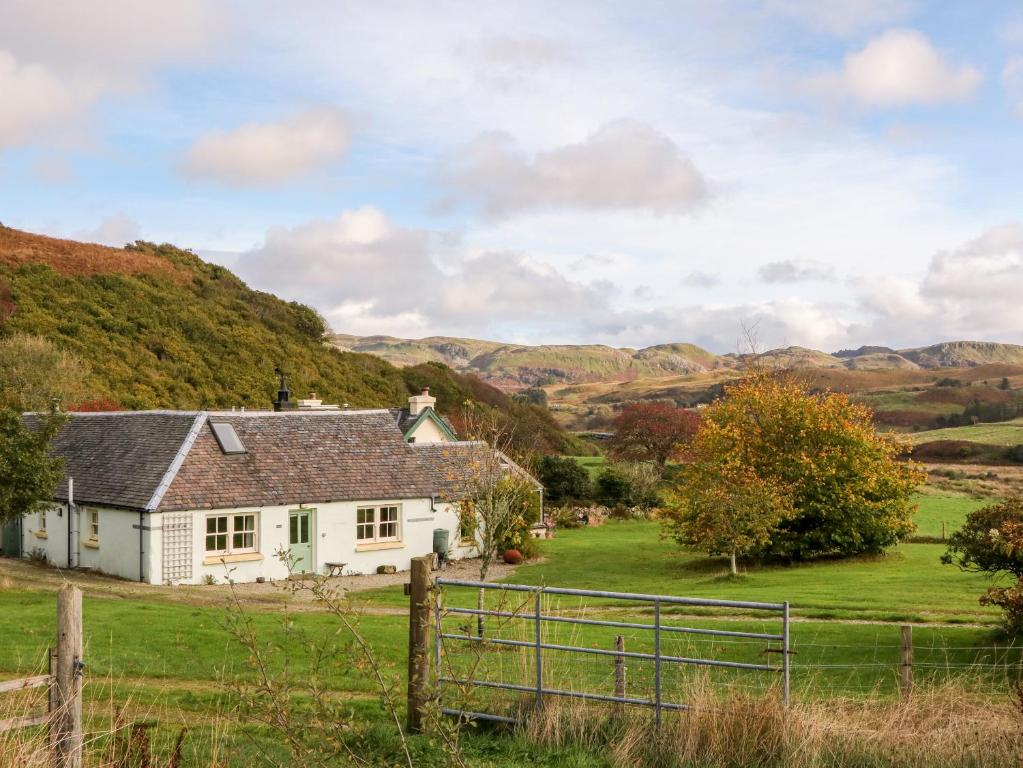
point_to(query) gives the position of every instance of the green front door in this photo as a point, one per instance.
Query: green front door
(300, 540)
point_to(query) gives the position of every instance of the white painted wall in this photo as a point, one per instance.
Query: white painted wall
(333, 537)
(114, 552)
(53, 541)
(429, 432)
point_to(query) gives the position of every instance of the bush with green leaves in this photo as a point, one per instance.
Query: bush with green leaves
(991, 541)
(564, 480)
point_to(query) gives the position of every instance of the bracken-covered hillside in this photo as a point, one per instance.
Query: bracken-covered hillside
(160, 328)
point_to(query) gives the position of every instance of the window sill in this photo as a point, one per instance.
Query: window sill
(91, 543)
(245, 557)
(378, 545)
(42, 535)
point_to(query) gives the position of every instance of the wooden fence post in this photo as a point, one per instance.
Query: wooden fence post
(906, 666)
(67, 719)
(51, 699)
(620, 671)
(418, 641)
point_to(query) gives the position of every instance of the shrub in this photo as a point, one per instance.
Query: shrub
(564, 479)
(613, 487)
(991, 541)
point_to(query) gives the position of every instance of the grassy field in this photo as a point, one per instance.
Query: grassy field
(592, 464)
(1003, 433)
(163, 659)
(950, 510)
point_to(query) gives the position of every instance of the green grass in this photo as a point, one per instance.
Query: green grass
(168, 660)
(948, 509)
(592, 464)
(1004, 433)
(908, 584)
(906, 401)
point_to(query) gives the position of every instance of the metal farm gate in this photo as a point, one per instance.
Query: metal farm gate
(534, 670)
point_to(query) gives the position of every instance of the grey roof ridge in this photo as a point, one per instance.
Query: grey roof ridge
(299, 412)
(161, 411)
(446, 443)
(179, 459)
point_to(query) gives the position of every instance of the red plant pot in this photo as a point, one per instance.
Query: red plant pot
(513, 557)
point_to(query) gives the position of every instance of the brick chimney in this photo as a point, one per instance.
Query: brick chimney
(419, 403)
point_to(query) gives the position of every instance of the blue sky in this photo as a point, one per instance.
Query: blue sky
(832, 173)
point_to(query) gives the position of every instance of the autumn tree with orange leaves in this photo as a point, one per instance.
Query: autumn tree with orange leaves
(777, 471)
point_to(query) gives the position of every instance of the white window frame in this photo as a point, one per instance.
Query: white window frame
(232, 528)
(373, 526)
(42, 521)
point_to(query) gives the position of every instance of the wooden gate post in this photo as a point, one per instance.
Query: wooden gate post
(67, 719)
(906, 666)
(418, 641)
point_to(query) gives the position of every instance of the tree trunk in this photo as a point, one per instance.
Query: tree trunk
(735, 571)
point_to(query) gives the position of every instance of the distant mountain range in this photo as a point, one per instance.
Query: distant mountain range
(514, 366)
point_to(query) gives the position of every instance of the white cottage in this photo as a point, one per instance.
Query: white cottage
(170, 497)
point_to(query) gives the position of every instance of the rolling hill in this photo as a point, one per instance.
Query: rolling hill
(514, 366)
(158, 327)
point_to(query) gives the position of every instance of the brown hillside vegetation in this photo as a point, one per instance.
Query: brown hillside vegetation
(71, 258)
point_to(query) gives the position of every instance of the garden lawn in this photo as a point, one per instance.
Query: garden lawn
(909, 583)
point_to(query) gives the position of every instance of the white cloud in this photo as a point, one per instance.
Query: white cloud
(624, 165)
(843, 17)
(701, 279)
(34, 99)
(57, 60)
(116, 230)
(1012, 79)
(369, 276)
(898, 68)
(270, 153)
(356, 259)
(971, 292)
(789, 271)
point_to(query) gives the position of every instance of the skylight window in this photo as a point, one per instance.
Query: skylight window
(227, 438)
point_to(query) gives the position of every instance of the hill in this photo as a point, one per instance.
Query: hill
(158, 327)
(965, 354)
(514, 366)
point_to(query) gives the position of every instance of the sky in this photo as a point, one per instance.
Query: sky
(827, 173)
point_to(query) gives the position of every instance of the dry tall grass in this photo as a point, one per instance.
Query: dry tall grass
(112, 737)
(942, 726)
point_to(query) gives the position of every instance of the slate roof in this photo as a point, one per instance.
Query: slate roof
(170, 460)
(294, 457)
(451, 465)
(120, 459)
